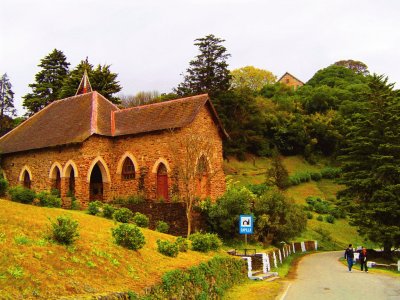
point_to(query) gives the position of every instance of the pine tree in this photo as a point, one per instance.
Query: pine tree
(48, 82)
(6, 104)
(208, 72)
(101, 79)
(371, 165)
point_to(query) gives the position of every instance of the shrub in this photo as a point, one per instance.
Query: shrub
(135, 199)
(94, 208)
(330, 172)
(64, 230)
(316, 176)
(330, 219)
(75, 204)
(3, 187)
(108, 211)
(55, 192)
(162, 227)
(21, 194)
(123, 215)
(182, 243)
(141, 220)
(205, 242)
(320, 218)
(167, 248)
(309, 215)
(48, 200)
(129, 236)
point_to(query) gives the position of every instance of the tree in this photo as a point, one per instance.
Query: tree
(6, 104)
(140, 98)
(101, 79)
(371, 165)
(277, 174)
(252, 78)
(208, 72)
(48, 82)
(355, 65)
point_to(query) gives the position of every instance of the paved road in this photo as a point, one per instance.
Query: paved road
(322, 276)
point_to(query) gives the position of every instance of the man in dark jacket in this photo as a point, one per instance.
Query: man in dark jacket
(363, 259)
(349, 255)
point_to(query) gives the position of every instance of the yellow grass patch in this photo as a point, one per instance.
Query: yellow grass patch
(32, 266)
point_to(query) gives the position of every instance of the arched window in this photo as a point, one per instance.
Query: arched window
(27, 180)
(162, 182)
(128, 169)
(71, 184)
(57, 181)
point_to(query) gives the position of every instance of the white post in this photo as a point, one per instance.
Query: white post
(275, 263)
(280, 255)
(249, 273)
(316, 245)
(268, 263)
(294, 249)
(303, 247)
(398, 265)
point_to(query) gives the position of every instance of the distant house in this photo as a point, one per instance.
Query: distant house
(86, 146)
(291, 81)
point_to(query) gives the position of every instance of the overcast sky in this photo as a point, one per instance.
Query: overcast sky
(149, 43)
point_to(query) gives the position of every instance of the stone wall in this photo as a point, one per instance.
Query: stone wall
(146, 151)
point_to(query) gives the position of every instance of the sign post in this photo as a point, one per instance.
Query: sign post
(246, 225)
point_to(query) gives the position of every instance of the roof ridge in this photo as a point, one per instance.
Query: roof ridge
(290, 75)
(93, 115)
(162, 103)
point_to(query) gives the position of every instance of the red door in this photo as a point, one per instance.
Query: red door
(162, 183)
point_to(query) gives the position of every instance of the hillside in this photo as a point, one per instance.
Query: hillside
(31, 266)
(330, 236)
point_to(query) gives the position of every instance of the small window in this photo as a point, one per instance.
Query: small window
(128, 170)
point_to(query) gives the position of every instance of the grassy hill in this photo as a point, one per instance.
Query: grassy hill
(31, 266)
(330, 236)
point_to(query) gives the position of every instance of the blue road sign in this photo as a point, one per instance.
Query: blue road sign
(246, 224)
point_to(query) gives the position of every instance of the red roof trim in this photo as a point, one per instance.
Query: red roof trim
(93, 121)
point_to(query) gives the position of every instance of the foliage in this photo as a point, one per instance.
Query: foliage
(206, 281)
(330, 172)
(223, 216)
(108, 211)
(101, 79)
(204, 242)
(3, 186)
(182, 243)
(48, 82)
(49, 200)
(357, 66)
(140, 98)
(141, 220)
(330, 219)
(75, 204)
(208, 72)
(21, 194)
(64, 230)
(320, 218)
(95, 207)
(318, 205)
(251, 78)
(371, 165)
(129, 236)
(277, 174)
(162, 226)
(167, 248)
(123, 215)
(277, 218)
(7, 108)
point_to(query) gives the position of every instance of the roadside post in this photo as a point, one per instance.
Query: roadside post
(246, 226)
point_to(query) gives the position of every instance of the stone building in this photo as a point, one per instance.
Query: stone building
(86, 146)
(291, 81)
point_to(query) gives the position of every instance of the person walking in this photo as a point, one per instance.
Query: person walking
(349, 256)
(363, 259)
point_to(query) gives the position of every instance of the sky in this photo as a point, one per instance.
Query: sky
(150, 43)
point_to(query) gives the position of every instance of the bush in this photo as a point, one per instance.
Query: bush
(300, 177)
(123, 215)
(320, 218)
(129, 236)
(167, 248)
(141, 220)
(309, 215)
(162, 227)
(94, 208)
(22, 194)
(182, 243)
(330, 172)
(330, 219)
(3, 187)
(75, 204)
(64, 230)
(48, 200)
(55, 192)
(108, 211)
(316, 176)
(135, 199)
(205, 242)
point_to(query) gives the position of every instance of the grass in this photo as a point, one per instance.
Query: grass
(31, 265)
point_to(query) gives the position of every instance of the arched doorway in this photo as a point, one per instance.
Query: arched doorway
(26, 180)
(71, 182)
(162, 182)
(96, 184)
(202, 178)
(57, 179)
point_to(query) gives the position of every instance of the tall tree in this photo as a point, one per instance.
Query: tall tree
(252, 78)
(208, 72)
(48, 82)
(6, 104)
(101, 79)
(371, 165)
(355, 65)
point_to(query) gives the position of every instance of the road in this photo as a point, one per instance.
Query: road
(322, 276)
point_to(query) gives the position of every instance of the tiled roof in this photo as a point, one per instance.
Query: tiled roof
(74, 119)
(287, 73)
